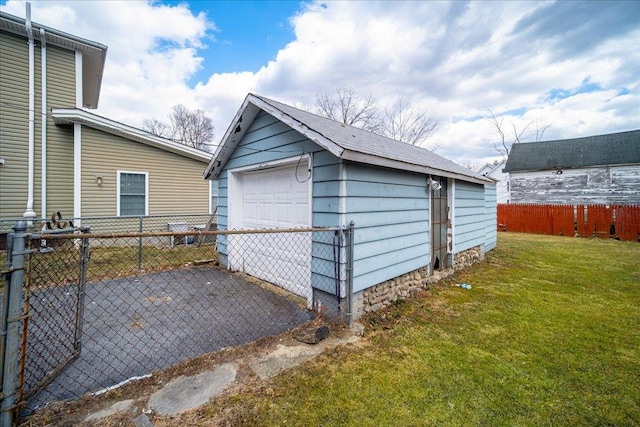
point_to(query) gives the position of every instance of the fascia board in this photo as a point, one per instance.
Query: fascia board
(231, 138)
(395, 164)
(298, 126)
(66, 116)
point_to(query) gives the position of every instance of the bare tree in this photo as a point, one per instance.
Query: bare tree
(192, 128)
(402, 121)
(473, 165)
(346, 107)
(158, 127)
(503, 146)
(405, 122)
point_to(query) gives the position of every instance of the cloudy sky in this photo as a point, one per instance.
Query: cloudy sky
(573, 66)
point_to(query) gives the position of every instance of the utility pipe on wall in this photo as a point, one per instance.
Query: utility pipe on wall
(43, 76)
(30, 213)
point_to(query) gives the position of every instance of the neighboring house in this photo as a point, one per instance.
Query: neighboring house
(414, 211)
(601, 169)
(56, 156)
(494, 171)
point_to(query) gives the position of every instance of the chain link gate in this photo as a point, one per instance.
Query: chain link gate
(49, 329)
(54, 305)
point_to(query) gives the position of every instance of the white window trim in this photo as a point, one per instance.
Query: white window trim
(146, 190)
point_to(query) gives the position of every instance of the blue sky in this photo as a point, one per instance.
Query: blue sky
(573, 66)
(248, 34)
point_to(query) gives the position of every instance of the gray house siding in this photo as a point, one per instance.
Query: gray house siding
(593, 185)
(14, 120)
(469, 216)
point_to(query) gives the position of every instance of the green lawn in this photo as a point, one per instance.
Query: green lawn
(548, 335)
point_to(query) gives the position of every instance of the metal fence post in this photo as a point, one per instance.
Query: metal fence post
(11, 336)
(350, 272)
(84, 262)
(140, 244)
(6, 276)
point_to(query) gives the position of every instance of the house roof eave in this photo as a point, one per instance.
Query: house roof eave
(63, 116)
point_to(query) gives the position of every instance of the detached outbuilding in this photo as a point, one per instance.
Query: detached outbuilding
(414, 211)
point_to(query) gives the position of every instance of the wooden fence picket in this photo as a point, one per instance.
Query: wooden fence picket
(604, 221)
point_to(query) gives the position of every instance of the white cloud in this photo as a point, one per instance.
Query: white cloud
(460, 57)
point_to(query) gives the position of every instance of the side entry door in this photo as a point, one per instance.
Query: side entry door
(439, 222)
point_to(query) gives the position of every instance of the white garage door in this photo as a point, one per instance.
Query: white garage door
(276, 198)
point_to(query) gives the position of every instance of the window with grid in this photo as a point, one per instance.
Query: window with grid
(132, 193)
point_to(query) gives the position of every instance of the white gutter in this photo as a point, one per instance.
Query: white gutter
(30, 213)
(43, 76)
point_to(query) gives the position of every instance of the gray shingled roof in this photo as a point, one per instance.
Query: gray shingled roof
(351, 143)
(359, 140)
(611, 149)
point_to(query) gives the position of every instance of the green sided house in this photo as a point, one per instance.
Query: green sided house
(57, 156)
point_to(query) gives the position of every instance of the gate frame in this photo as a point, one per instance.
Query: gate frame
(10, 354)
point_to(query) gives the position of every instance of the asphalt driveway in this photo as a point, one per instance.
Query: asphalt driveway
(134, 325)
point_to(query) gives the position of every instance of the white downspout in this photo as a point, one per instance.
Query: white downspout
(43, 57)
(77, 143)
(30, 213)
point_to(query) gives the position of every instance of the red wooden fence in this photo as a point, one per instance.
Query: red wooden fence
(612, 221)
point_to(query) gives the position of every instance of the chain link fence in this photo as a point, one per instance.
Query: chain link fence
(102, 307)
(115, 224)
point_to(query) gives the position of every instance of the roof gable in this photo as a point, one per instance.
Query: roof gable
(343, 141)
(599, 150)
(62, 116)
(491, 168)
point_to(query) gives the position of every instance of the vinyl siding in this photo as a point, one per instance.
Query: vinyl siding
(469, 216)
(390, 209)
(61, 86)
(491, 217)
(14, 119)
(14, 128)
(175, 182)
